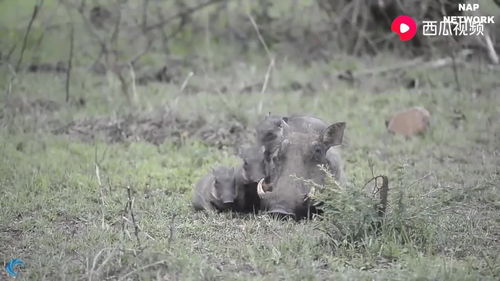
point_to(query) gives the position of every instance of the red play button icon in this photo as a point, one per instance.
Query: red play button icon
(405, 27)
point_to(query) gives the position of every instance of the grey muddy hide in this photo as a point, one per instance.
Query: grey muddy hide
(294, 161)
(216, 190)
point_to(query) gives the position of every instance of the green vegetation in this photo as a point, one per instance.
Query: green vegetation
(66, 167)
(442, 220)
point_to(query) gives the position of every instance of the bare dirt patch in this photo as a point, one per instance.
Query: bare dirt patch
(156, 127)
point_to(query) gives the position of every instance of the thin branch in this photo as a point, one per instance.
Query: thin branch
(267, 76)
(261, 39)
(132, 77)
(383, 190)
(70, 60)
(116, 29)
(36, 9)
(439, 63)
(104, 48)
(140, 228)
(94, 263)
(184, 84)
(488, 43)
(455, 71)
(271, 62)
(99, 182)
(11, 81)
(104, 262)
(171, 230)
(182, 14)
(144, 22)
(490, 48)
(419, 180)
(131, 210)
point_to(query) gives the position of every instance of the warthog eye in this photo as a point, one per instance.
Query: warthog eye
(318, 152)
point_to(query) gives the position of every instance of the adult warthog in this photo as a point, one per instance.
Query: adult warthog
(299, 146)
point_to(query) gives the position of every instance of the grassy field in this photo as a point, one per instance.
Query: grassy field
(66, 168)
(99, 188)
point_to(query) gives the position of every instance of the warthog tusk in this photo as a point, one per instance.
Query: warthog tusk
(260, 190)
(214, 194)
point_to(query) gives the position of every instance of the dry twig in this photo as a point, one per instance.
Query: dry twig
(70, 60)
(91, 272)
(101, 189)
(134, 88)
(36, 9)
(383, 190)
(11, 81)
(171, 230)
(271, 61)
(130, 207)
(181, 15)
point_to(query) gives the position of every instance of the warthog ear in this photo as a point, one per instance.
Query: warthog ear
(333, 135)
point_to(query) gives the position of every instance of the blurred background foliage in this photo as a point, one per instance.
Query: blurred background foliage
(154, 34)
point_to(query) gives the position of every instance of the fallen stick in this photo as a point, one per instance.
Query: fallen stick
(413, 63)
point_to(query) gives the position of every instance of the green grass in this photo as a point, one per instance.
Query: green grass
(444, 201)
(444, 185)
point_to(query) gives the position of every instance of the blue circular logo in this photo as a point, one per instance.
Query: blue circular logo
(10, 267)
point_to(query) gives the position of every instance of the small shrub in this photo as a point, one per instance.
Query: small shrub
(353, 218)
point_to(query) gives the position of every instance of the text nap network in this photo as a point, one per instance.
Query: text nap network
(457, 26)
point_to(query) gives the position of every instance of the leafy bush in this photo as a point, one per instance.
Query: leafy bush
(356, 218)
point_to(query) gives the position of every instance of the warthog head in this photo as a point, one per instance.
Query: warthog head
(253, 163)
(224, 190)
(295, 161)
(270, 131)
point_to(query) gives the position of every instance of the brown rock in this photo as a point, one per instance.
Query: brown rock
(409, 122)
